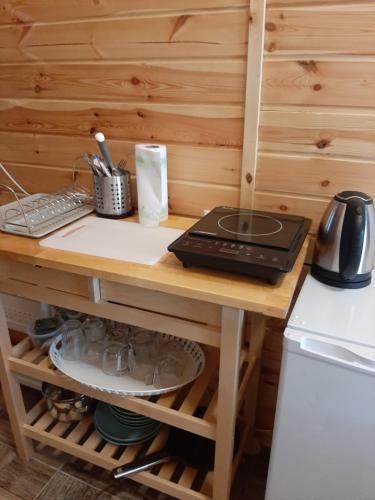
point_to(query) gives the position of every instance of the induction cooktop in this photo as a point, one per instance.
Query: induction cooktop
(251, 242)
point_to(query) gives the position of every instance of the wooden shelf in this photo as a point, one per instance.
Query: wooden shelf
(176, 408)
(82, 441)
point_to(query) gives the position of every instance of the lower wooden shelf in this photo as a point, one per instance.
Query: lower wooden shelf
(82, 441)
(176, 409)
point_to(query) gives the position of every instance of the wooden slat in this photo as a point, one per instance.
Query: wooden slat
(16, 11)
(319, 82)
(161, 302)
(204, 125)
(196, 34)
(220, 165)
(310, 207)
(334, 132)
(56, 280)
(314, 175)
(253, 101)
(320, 31)
(170, 82)
(79, 431)
(304, 3)
(19, 350)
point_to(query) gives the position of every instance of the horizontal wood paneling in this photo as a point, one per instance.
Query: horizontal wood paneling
(321, 31)
(311, 207)
(338, 132)
(222, 34)
(185, 198)
(185, 162)
(170, 82)
(314, 175)
(24, 11)
(320, 82)
(337, 4)
(204, 125)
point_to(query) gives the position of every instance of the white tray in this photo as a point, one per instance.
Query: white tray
(93, 376)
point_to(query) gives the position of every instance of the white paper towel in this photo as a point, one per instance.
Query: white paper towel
(152, 183)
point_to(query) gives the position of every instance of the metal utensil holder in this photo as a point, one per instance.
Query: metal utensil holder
(113, 196)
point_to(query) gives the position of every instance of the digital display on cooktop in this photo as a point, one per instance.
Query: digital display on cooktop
(246, 226)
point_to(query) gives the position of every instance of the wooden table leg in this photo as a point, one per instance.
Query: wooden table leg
(12, 392)
(257, 333)
(230, 347)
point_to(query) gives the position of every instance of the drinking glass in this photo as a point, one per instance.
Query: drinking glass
(72, 339)
(143, 355)
(115, 359)
(94, 332)
(170, 365)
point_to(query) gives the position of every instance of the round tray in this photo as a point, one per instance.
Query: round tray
(93, 376)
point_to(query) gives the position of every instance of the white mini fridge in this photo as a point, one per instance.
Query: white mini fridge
(323, 444)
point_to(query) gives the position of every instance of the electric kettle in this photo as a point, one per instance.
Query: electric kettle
(345, 248)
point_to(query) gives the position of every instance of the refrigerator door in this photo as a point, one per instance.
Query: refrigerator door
(340, 314)
(324, 437)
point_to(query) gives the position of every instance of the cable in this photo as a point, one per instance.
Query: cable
(12, 179)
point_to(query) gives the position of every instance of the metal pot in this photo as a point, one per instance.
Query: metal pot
(66, 406)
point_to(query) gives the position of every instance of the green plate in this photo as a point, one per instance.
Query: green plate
(108, 424)
(129, 416)
(127, 442)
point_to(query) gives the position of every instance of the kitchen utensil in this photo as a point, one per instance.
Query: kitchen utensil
(196, 451)
(251, 242)
(72, 339)
(93, 376)
(130, 241)
(100, 139)
(66, 406)
(345, 247)
(43, 341)
(39, 214)
(113, 196)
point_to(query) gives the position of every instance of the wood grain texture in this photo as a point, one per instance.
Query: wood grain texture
(24, 11)
(203, 125)
(328, 131)
(169, 82)
(200, 34)
(185, 162)
(314, 175)
(319, 82)
(311, 207)
(317, 31)
(185, 198)
(319, 3)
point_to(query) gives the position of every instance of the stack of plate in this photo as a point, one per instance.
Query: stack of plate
(123, 427)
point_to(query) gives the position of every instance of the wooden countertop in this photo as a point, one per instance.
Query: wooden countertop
(167, 275)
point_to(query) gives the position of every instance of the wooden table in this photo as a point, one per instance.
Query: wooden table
(197, 304)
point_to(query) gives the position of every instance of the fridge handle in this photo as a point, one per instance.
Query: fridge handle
(335, 353)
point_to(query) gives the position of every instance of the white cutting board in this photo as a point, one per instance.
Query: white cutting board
(114, 239)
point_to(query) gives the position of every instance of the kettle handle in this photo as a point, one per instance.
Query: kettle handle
(352, 238)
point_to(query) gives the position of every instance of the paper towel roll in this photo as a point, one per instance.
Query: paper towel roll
(152, 183)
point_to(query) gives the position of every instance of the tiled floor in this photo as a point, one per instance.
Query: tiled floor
(51, 475)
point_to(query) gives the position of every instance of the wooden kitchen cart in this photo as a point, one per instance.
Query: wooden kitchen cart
(201, 305)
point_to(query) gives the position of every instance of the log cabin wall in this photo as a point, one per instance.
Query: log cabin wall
(160, 71)
(317, 132)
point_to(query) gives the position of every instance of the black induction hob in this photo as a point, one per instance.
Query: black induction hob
(250, 242)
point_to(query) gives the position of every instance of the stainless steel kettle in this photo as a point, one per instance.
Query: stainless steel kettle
(345, 248)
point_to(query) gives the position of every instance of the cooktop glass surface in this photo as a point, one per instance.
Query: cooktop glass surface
(249, 227)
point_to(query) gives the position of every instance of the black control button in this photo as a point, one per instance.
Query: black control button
(275, 259)
(229, 250)
(260, 256)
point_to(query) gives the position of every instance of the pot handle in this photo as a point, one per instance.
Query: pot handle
(145, 463)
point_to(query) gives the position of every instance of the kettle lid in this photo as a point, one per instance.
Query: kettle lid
(346, 196)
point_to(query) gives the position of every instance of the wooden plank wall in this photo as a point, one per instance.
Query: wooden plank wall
(317, 133)
(140, 71)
